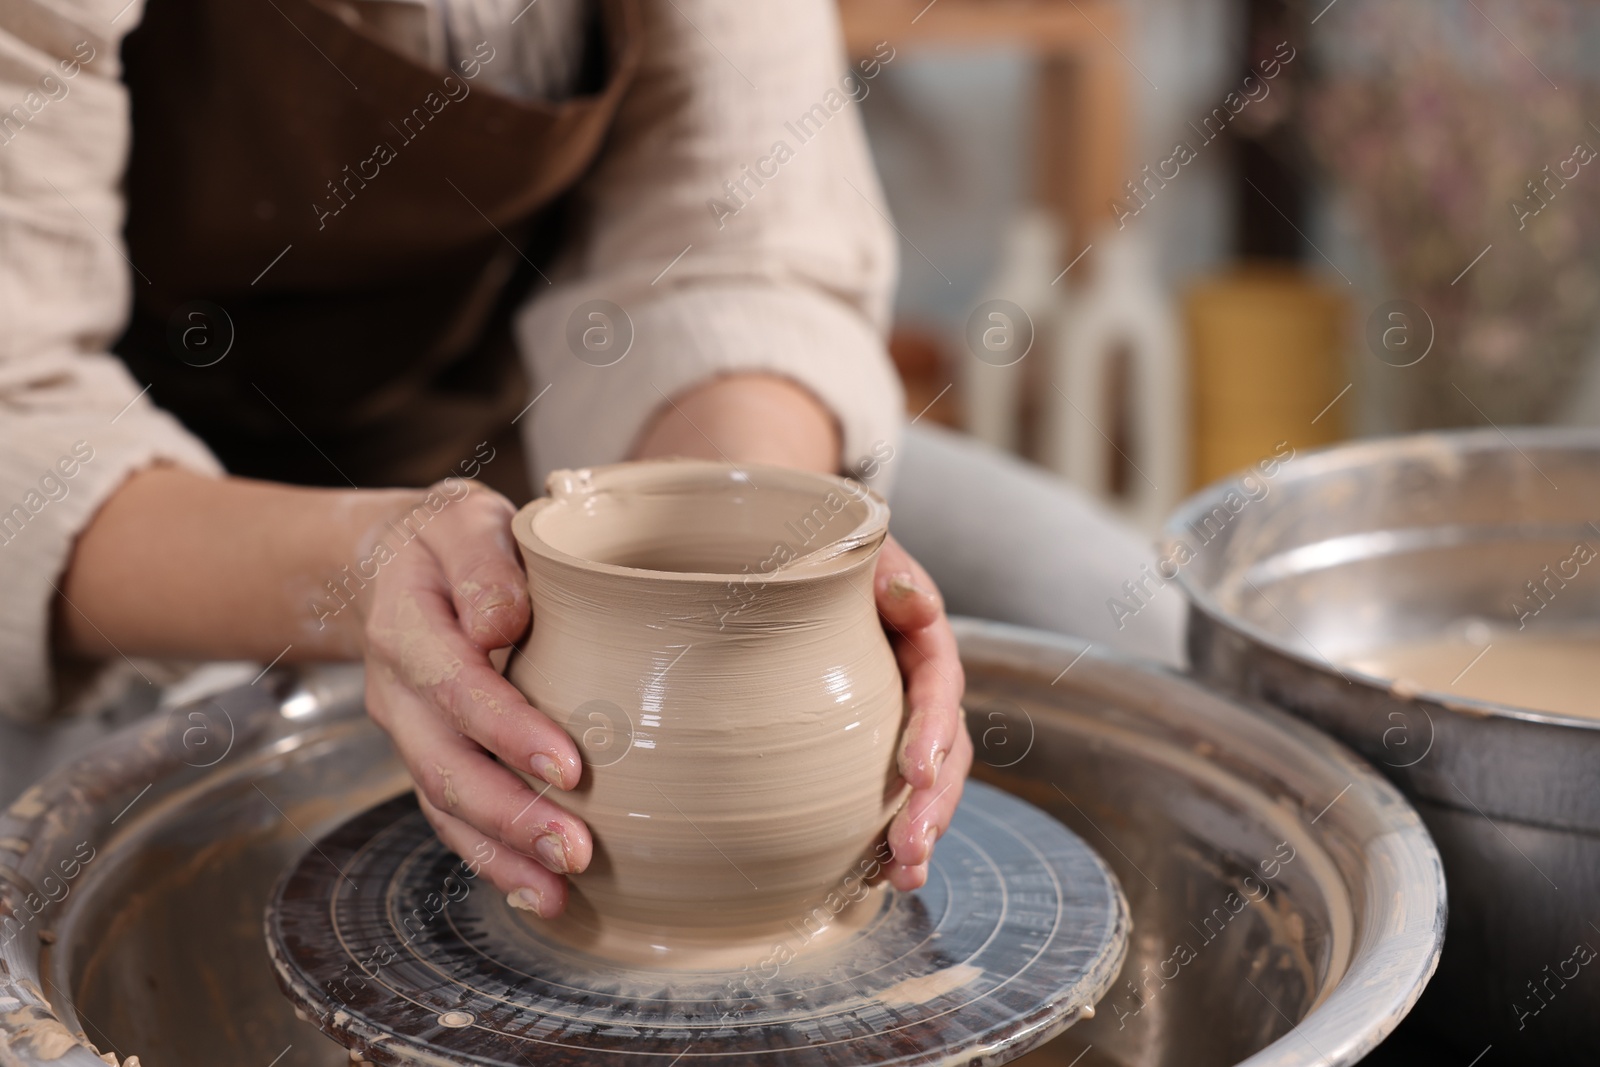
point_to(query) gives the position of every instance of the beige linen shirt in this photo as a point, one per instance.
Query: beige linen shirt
(725, 252)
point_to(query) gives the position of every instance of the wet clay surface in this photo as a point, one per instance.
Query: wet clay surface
(709, 638)
(402, 958)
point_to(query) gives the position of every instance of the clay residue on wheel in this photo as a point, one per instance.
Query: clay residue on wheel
(926, 987)
(36, 1033)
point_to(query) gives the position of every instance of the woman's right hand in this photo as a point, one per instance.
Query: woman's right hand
(449, 590)
(422, 584)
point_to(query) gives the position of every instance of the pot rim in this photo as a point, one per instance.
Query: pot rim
(1354, 455)
(569, 487)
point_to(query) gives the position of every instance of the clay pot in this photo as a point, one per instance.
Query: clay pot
(708, 636)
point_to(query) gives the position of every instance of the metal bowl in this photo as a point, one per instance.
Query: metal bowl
(1395, 540)
(1240, 954)
(1306, 896)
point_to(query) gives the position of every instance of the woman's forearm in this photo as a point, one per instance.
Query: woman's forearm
(183, 565)
(746, 418)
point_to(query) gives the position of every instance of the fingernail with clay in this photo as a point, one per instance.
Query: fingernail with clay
(903, 757)
(547, 769)
(552, 852)
(495, 599)
(903, 586)
(528, 899)
(929, 836)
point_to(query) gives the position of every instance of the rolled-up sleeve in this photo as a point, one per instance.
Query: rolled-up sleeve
(73, 424)
(734, 223)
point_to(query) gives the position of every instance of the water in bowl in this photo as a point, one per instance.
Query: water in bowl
(1551, 669)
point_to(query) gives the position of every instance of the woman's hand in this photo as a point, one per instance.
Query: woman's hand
(442, 601)
(935, 750)
(422, 584)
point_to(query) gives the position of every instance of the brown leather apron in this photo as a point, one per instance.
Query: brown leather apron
(366, 225)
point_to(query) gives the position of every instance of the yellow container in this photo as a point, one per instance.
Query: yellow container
(1266, 351)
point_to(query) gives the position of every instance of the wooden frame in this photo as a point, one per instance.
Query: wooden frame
(1082, 89)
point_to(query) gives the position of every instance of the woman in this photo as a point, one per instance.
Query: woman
(339, 222)
(375, 243)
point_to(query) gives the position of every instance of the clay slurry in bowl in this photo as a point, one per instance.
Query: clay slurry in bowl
(1555, 669)
(702, 624)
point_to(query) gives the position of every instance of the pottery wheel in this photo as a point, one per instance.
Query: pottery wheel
(377, 938)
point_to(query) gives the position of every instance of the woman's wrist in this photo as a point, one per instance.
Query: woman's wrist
(746, 418)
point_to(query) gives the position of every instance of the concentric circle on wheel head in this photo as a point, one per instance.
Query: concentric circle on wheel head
(387, 942)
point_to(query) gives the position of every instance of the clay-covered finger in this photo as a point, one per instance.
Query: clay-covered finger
(526, 884)
(460, 779)
(926, 741)
(927, 814)
(925, 648)
(471, 539)
(412, 629)
(907, 598)
(935, 682)
(906, 878)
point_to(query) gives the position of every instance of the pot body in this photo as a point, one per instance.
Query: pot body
(714, 650)
(1344, 550)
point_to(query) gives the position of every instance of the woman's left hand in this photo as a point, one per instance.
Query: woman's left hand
(935, 751)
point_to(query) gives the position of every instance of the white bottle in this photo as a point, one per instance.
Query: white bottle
(1121, 311)
(994, 363)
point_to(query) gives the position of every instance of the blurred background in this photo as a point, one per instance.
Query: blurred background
(1143, 243)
